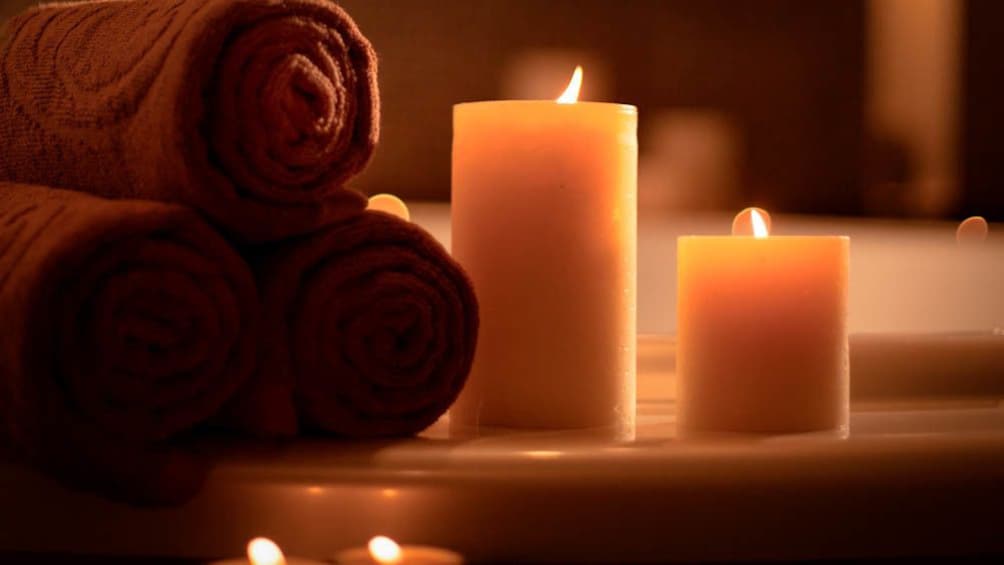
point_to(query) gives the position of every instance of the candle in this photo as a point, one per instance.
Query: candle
(263, 551)
(382, 550)
(762, 342)
(544, 221)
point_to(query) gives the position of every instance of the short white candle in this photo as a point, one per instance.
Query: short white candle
(382, 550)
(762, 343)
(544, 221)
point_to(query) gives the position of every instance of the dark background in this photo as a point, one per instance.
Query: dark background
(776, 94)
(982, 169)
(788, 73)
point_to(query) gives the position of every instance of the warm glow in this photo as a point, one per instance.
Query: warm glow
(385, 550)
(571, 94)
(263, 551)
(759, 226)
(973, 229)
(543, 454)
(389, 204)
(742, 224)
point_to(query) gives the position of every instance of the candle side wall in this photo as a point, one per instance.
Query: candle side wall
(762, 334)
(544, 220)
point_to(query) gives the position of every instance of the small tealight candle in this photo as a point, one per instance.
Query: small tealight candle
(762, 344)
(390, 204)
(382, 550)
(263, 551)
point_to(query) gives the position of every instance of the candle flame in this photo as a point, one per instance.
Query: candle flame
(742, 224)
(385, 550)
(972, 230)
(571, 94)
(390, 204)
(263, 551)
(759, 226)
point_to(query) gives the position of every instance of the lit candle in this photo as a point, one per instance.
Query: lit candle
(382, 550)
(544, 221)
(762, 322)
(263, 551)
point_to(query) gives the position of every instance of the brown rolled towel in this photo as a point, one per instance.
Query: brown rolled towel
(125, 323)
(254, 111)
(372, 329)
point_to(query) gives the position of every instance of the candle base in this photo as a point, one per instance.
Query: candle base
(616, 433)
(694, 433)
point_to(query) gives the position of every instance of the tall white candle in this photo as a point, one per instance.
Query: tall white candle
(544, 221)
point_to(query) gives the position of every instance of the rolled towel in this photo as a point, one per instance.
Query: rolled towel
(372, 329)
(254, 111)
(125, 323)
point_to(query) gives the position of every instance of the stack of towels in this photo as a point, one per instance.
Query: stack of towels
(202, 262)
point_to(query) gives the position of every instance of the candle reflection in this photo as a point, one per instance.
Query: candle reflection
(542, 454)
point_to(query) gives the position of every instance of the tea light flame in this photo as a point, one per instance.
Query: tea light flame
(385, 550)
(759, 226)
(742, 224)
(263, 551)
(390, 204)
(571, 94)
(972, 230)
